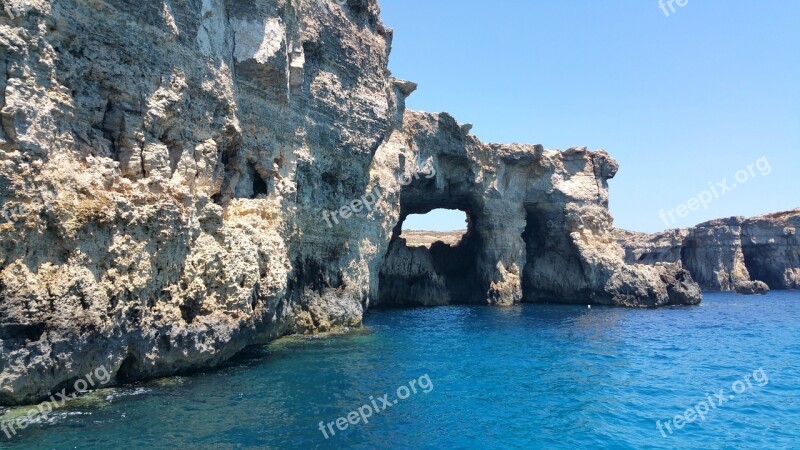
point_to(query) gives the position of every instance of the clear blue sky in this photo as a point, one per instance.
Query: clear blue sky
(680, 101)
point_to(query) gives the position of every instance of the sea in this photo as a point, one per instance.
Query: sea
(722, 375)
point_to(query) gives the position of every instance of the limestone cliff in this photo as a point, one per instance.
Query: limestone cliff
(539, 228)
(750, 256)
(771, 249)
(182, 179)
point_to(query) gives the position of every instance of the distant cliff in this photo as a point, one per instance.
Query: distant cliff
(749, 256)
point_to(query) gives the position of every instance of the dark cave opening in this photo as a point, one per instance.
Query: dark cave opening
(550, 257)
(260, 186)
(129, 370)
(757, 259)
(535, 229)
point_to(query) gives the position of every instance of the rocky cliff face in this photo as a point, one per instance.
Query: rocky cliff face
(749, 256)
(771, 249)
(182, 179)
(539, 228)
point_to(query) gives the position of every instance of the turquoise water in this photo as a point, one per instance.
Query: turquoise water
(530, 376)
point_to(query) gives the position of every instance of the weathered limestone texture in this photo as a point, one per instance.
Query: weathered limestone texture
(749, 256)
(539, 228)
(771, 249)
(167, 167)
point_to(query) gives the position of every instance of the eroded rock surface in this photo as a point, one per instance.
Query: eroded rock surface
(539, 228)
(749, 256)
(168, 171)
(771, 249)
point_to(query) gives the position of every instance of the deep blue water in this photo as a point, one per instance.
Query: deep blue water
(531, 376)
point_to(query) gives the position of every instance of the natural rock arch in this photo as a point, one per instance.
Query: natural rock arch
(233, 139)
(539, 227)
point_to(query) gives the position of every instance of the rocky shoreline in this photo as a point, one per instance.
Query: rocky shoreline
(168, 172)
(748, 256)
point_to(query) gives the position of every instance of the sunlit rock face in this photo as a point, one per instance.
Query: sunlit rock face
(539, 228)
(182, 179)
(771, 248)
(165, 165)
(749, 256)
(712, 252)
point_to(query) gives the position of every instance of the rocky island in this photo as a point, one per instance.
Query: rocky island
(180, 180)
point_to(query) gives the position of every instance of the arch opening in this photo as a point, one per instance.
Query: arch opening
(448, 226)
(431, 268)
